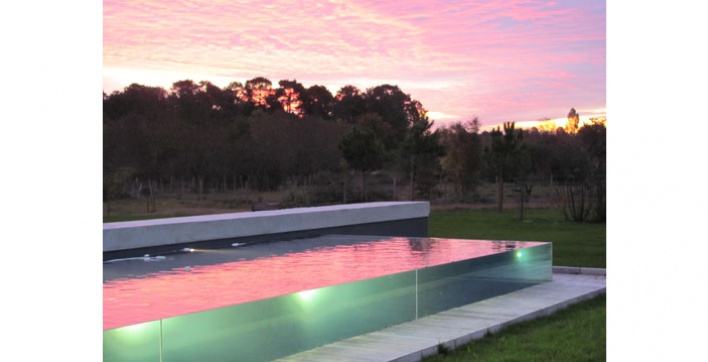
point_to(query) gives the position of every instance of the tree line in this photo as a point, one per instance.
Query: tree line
(195, 137)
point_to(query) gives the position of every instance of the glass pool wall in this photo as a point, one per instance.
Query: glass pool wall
(276, 327)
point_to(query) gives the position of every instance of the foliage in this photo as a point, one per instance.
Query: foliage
(327, 188)
(573, 122)
(364, 151)
(349, 104)
(523, 188)
(318, 102)
(593, 139)
(419, 154)
(462, 161)
(113, 184)
(582, 178)
(259, 92)
(395, 108)
(291, 95)
(503, 156)
(295, 197)
(259, 137)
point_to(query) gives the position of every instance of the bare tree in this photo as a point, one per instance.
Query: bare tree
(501, 154)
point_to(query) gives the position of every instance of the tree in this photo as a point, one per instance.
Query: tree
(135, 99)
(214, 98)
(269, 148)
(318, 102)
(113, 181)
(374, 124)
(198, 130)
(593, 140)
(201, 133)
(420, 151)
(547, 125)
(259, 90)
(363, 151)
(501, 154)
(521, 169)
(462, 161)
(238, 90)
(579, 166)
(115, 164)
(349, 104)
(289, 95)
(573, 122)
(137, 135)
(239, 101)
(415, 112)
(395, 107)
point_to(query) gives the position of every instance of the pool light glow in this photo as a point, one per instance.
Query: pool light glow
(307, 295)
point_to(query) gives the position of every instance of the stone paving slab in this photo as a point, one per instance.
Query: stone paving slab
(415, 340)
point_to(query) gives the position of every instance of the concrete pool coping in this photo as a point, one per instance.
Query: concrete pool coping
(136, 238)
(413, 341)
(179, 230)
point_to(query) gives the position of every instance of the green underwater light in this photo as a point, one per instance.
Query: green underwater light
(307, 295)
(133, 328)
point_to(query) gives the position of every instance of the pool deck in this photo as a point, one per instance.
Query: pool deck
(419, 339)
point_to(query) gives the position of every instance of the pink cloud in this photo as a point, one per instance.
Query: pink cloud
(457, 58)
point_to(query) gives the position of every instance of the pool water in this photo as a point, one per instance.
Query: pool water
(264, 301)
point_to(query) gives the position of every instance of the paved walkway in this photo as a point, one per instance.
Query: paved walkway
(418, 339)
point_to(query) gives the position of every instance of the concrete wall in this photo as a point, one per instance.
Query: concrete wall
(136, 238)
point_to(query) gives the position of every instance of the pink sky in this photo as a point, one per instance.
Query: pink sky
(519, 60)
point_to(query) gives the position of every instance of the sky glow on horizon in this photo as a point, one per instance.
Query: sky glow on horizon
(520, 60)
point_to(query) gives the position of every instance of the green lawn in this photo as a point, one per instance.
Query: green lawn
(574, 244)
(576, 333)
(573, 334)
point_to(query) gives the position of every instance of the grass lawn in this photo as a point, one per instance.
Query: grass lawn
(574, 244)
(576, 333)
(573, 334)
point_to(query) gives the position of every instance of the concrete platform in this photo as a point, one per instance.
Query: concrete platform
(418, 339)
(158, 236)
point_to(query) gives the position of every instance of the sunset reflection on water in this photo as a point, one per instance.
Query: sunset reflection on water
(177, 291)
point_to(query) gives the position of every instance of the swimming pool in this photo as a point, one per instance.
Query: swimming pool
(264, 301)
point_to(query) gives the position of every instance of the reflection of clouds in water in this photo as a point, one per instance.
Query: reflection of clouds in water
(206, 279)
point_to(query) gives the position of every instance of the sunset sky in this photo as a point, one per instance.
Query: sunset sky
(519, 60)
